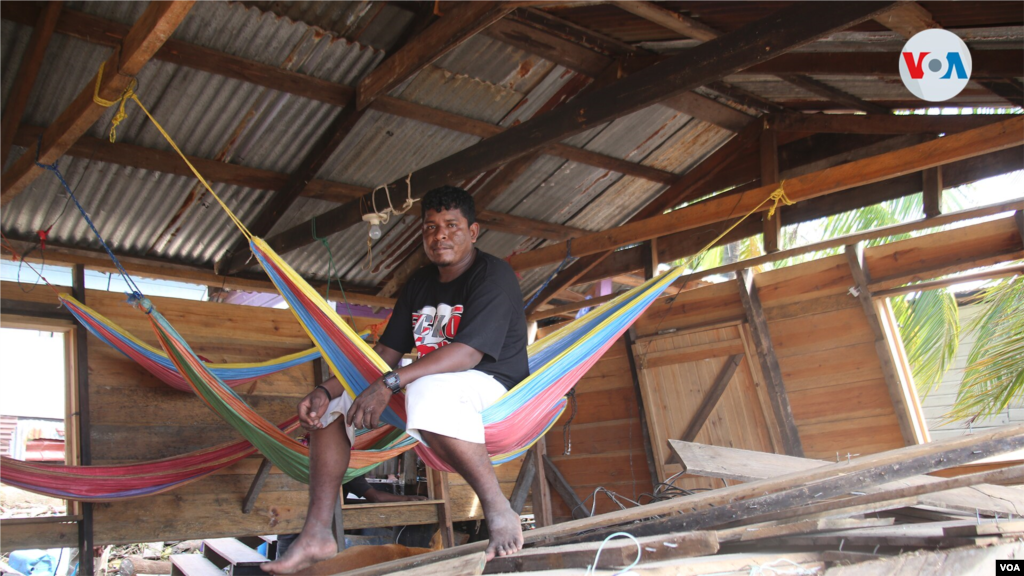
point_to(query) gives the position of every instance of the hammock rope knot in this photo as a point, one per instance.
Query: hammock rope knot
(127, 94)
(779, 195)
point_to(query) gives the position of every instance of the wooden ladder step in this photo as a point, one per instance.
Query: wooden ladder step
(193, 565)
(237, 558)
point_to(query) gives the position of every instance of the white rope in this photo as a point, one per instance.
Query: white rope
(628, 570)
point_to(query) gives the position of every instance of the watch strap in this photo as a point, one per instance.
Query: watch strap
(326, 391)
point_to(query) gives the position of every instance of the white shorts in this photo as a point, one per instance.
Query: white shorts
(337, 408)
(448, 404)
(451, 404)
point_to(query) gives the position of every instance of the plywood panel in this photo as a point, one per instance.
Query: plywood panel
(673, 392)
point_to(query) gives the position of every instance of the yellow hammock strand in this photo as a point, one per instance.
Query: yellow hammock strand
(129, 93)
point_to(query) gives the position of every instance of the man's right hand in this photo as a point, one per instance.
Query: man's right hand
(312, 408)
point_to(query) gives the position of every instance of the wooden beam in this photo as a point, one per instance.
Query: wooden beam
(882, 232)
(249, 502)
(680, 245)
(893, 381)
(931, 180)
(832, 93)
(650, 253)
(168, 162)
(107, 33)
(143, 40)
(564, 489)
(770, 175)
(751, 466)
(459, 24)
(707, 406)
(524, 480)
(803, 488)
(540, 492)
(438, 487)
(149, 267)
(629, 339)
(892, 464)
(550, 47)
(25, 79)
(708, 110)
(1018, 217)
(687, 184)
(925, 286)
(12, 308)
(907, 19)
(576, 558)
(746, 98)
(999, 136)
(674, 21)
(879, 123)
(770, 370)
(785, 30)
(274, 210)
(86, 538)
(567, 277)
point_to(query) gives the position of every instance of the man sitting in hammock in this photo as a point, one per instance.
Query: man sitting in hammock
(464, 316)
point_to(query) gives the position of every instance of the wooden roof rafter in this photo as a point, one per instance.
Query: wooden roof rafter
(991, 138)
(141, 43)
(784, 30)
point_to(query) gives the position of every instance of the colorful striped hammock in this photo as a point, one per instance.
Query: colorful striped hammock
(156, 362)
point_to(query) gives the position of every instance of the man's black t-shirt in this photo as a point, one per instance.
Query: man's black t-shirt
(482, 308)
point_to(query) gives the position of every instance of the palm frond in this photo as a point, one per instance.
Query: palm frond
(995, 365)
(930, 328)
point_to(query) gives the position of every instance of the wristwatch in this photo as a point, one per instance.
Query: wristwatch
(392, 382)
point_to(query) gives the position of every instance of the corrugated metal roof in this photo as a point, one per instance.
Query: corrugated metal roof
(215, 117)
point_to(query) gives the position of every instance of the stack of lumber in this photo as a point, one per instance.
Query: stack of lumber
(875, 514)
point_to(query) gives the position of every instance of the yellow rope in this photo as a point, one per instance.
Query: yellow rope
(129, 93)
(779, 195)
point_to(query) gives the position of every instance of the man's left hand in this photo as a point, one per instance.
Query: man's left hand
(368, 406)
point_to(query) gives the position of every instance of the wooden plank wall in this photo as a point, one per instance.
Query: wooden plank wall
(822, 339)
(607, 441)
(136, 417)
(677, 370)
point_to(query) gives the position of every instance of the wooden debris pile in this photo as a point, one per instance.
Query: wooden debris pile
(879, 513)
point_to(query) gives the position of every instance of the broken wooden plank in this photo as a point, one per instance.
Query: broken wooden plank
(614, 553)
(774, 529)
(748, 465)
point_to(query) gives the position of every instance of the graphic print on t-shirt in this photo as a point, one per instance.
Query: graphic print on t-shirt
(433, 328)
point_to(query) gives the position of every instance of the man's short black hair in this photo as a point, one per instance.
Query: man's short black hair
(450, 198)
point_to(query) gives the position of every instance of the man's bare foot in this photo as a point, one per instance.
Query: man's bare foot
(309, 549)
(506, 532)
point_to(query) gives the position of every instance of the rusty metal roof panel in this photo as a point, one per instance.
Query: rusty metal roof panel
(13, 43)
(370, 23)
(496, 62)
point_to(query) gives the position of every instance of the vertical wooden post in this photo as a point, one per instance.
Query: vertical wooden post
(630, 339)
(85, 533)
(409, 472)
(541, 493)
(1018, 217)
(523, 482)
(931, 182)
(769, 364)
(862, 280)
(650, 258)
(437, 485)
(770, 175)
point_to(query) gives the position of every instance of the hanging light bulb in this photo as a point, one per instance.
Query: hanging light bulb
(374, 221)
